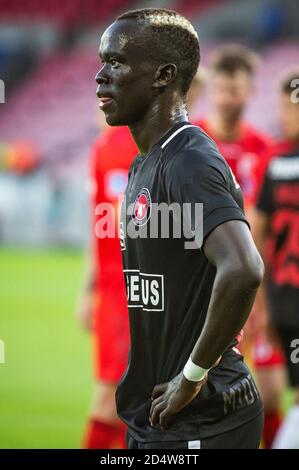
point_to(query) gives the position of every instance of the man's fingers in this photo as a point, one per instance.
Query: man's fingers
(155, 402)
(159, 390)
(156, 413)
(164, 418)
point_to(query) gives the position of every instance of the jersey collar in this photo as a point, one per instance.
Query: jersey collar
(173, 132)
(164, 141)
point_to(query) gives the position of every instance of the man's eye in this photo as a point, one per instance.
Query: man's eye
(114, 63)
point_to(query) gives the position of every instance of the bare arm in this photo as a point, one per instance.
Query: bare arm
(240, 269)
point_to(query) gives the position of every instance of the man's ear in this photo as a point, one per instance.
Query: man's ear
(165, 74)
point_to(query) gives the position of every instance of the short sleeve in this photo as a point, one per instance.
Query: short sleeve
(192, 178)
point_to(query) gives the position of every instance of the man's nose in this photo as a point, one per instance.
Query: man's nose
(101, 78)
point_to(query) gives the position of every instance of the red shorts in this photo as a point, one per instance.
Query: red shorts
(111, 336)
(264, 354)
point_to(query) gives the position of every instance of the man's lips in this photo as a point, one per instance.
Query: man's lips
(105, 101)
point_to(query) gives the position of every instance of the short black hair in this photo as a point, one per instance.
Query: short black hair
(231, 58)
(172, 39)
(289, 81)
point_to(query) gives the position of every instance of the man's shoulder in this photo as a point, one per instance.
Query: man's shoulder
(192, 149)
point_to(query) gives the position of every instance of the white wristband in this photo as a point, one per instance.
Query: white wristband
(194, 372)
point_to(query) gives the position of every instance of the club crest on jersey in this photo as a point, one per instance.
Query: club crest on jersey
(142, 207)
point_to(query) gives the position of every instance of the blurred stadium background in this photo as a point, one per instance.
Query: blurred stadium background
(48, 60)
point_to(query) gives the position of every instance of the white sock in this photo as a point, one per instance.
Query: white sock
(287, 436)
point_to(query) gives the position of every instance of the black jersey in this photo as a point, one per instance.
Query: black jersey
(279, 199)
(169, 286)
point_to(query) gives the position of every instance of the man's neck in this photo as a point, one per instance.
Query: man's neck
(157, 122)
(225, 130)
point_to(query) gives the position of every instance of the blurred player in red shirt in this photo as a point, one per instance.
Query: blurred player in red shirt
(103, 307)
(244, 148)
(276, 233)
(231, 87)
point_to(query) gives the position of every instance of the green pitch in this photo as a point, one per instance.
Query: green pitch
(46, 380)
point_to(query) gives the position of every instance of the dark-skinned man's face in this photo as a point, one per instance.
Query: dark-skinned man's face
(125, 81)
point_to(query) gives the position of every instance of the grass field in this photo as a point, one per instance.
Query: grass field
(45, 383)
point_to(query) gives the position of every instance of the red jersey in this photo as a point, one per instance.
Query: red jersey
(278, 198)
(110, 161)
(245, 156)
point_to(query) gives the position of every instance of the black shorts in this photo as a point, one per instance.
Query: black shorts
(246, 436)
(287, 335)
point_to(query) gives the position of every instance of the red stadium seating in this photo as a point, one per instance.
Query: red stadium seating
(66, 12)
(56, 107)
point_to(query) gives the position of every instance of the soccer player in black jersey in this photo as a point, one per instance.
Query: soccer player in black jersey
(276, 231)
(186, 385)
